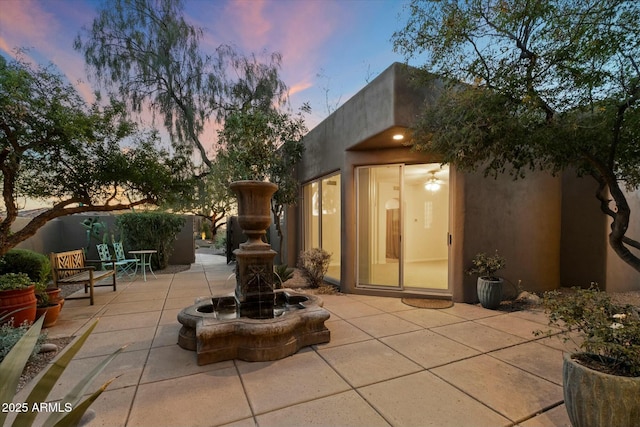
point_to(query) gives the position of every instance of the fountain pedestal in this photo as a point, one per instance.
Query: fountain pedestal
(254, 271)
(255, 282)
(257, 323)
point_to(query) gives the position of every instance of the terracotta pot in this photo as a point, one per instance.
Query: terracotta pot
(254, 207)
(53, 294)
(489, 292)
(50, 312)
(23, 300)
(596, 399)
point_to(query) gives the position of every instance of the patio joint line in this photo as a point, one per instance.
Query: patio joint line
(244, 390)
(544, 410)
(357, 389)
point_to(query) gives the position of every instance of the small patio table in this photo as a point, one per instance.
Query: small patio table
(144, 261)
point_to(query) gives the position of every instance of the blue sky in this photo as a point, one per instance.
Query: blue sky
(329, 47)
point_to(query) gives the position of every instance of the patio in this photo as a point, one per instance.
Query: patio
(388, 364)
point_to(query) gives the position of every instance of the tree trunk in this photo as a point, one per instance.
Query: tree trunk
(619, 228)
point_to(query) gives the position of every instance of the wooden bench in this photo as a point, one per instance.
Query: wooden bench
(69, 268)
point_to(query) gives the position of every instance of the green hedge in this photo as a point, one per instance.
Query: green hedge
(151, 230)
(33, 264)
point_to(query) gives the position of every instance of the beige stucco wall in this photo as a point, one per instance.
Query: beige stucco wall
(620, 276)
(519, 218)
(584, 244)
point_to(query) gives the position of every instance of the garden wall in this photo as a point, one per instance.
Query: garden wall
(67, 233)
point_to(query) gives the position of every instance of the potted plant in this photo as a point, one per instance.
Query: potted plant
(47, 307)
(17, 294)
(489, 285)
(601, 380)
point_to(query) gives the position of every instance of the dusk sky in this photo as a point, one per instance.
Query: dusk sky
(347, 42)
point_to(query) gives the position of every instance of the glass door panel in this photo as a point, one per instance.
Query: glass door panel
(379, 226)
(310, 200)
(330, 223)
(426, 227)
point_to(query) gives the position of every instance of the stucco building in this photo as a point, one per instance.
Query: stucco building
(397, 222)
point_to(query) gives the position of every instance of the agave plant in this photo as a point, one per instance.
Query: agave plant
(13, 364)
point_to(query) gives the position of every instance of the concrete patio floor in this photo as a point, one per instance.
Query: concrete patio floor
(388, 364)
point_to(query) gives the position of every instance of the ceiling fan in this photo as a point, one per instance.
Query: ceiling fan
(433, 184)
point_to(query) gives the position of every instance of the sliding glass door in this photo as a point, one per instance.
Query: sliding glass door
(402, 223)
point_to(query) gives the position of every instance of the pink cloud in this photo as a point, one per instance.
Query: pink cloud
(24, 21)
(48, 37)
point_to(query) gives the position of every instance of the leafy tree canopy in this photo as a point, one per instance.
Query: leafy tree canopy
(148, 55)
(262, 143)
(56, 149)
(534, 84)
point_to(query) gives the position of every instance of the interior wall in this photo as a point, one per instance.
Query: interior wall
(420, 232)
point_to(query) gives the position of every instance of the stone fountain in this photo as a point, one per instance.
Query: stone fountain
(258, 322)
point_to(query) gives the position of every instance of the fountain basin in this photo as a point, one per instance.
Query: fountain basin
(212, 328)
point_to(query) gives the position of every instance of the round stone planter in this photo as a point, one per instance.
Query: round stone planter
(22, 300)
(596, 399)
(489, 292)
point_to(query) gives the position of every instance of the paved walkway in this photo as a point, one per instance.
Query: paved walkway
(388, 364)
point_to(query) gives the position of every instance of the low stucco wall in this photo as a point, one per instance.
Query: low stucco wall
(67, 233)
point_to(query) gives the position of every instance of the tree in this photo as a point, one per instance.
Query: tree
(262, 144)
(56, 149)
(210, 200)
(535, 85)
(149, 56)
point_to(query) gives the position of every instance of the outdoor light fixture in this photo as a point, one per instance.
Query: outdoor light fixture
(398, 137)
(433, 184)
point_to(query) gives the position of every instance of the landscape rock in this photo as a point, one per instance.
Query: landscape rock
(48, 347)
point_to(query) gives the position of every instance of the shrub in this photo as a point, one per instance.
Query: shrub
(14, 281)
(33, 264)
(486, 266)
(10, 335)
(151, 230)
(13, 364)
(283, 273)
(314, 264)
(609, 334)
(220, 240)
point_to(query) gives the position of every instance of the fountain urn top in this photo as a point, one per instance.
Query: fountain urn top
(254, 209)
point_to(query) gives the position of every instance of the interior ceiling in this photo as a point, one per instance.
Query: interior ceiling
(413, 174)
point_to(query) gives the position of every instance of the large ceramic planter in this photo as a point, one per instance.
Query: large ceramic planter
(22, 300)
(489, 292)
(50, 313)
(596, 399)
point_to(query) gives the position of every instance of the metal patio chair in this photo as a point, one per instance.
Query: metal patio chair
(123, 266)
(129, 264)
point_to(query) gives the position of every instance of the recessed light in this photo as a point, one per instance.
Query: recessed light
(398, 137)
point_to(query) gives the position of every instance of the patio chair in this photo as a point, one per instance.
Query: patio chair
(129, 264)
(124, 266)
